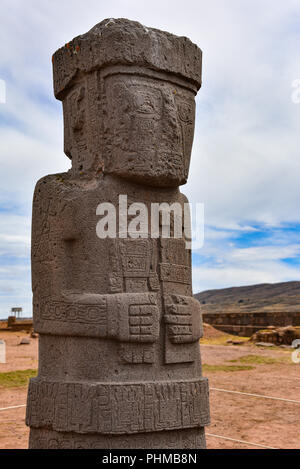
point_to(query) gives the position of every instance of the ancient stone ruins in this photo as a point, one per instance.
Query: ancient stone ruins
(119, 329)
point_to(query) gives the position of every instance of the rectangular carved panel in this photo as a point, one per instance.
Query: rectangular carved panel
(126, 317)
(175, 273)
(118, 408)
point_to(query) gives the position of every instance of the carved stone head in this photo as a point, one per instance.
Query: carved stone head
(128, 98)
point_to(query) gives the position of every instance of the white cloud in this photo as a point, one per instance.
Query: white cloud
(245, 165)
(221, 264)
(207, 278)
(245, 159)
(264, 253)
(15, 288)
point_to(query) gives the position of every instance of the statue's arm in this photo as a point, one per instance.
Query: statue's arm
(183, 318)
(126, 317)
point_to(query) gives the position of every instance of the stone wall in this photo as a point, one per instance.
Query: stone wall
(246, 324)
(14, 324)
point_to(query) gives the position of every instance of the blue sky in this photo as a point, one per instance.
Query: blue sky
(245, 163)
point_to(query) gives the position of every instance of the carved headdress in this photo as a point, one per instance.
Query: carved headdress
(121, 41)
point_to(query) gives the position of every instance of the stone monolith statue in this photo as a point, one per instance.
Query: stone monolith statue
(119, 329)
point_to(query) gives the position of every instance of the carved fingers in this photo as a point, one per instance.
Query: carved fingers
(183, 319)
(143, 324)
(137, 317)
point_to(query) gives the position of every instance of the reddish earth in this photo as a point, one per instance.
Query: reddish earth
(18, 357)
(211, 333)
(262, 421)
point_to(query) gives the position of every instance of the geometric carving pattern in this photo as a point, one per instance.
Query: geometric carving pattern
(118, 408)
(183, 318)
(175, 273)
(127, 317)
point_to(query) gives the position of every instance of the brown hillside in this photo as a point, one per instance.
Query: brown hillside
(254, 298)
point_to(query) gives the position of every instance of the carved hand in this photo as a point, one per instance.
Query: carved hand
(183, 319)
(138, 317)
(126, 317)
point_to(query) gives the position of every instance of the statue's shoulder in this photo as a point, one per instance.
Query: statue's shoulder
(50, 180)
(51, 185)
(183, 198)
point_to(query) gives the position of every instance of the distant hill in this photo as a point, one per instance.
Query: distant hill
(254, 298)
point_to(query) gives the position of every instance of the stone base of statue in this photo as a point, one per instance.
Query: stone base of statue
(172, 439)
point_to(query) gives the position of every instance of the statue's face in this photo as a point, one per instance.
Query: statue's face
(75, 128)
(133, 126)
(148, 129)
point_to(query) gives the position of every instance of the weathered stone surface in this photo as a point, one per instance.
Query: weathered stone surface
(119, 329)
(125, 42)
(43, 438)
(247, 323)
(116, 409)
(248, 309)
(277, 336)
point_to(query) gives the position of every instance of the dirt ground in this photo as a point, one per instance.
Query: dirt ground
(244, 368)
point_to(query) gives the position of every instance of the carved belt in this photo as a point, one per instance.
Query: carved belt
(110, 408)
